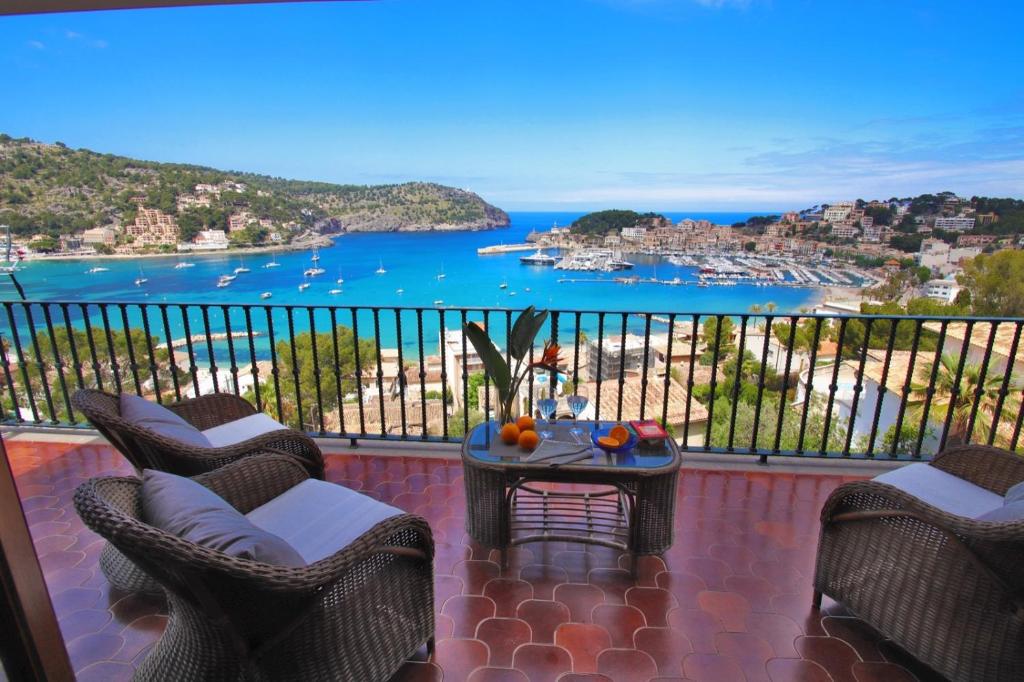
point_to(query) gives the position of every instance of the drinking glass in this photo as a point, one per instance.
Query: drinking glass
(546, 406)
(577, 402)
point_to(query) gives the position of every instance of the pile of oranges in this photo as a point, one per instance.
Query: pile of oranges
(616, 438)
(520, 432)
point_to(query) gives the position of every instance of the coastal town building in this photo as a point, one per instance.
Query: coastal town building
(634, 233)
(617, 356)
(457, 362)
(838, 211)
(873, 233)
(944, 290)
(152, 227)
(99, 235)
(845, 231)
(240, 220)
(965, 240)
(955, 223)
(207, 240)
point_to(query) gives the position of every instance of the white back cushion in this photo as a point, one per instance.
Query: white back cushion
(241, 430)
(947, 492)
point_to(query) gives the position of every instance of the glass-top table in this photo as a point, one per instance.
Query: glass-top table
(624, 501)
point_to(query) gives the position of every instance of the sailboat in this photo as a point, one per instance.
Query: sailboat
(182, 264)
(304, 285)
(340, 280)
(266, 294)
(93, 271)
(273, 262)
(334, 292)
(316, 255)
(241, 268)
(503, 285)
(441, 274)
(141, 279)
(381, 270)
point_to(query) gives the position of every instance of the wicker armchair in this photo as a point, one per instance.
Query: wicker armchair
(949, 589)
(355, 615)
(147, 449)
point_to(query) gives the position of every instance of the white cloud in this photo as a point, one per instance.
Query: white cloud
(36, 44)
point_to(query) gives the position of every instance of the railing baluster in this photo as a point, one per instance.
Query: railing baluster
(858, 387)
(930, 389)
(465, 376)
(76, 360)
(1004, 388)
(254, 370)
(979, 392)
(643, 374)
(211, 356)
(760, 387)
(401, 371)
(689, 382)
(9, 379)
(114, 366)
(785, 383)
(443, 348)
(233, 367)
(736, 383)
(714, 380)
(423, 373)
(600, 358)
(97, 368)
(809, 387)
(342, 430)
(954, 393)
(296, 369)
(58, 363)
(170, 355)
(668, 369)
(275, 372)
(129, 343)
(553, 375)
(317, 374)
(575, 355)
(882, 388)
(153, 368)
(487, 377)
(622, 367)
(380, 371)
(193, 368)
(833, 386)
(44, 380)
(359, 373)
(907, 387)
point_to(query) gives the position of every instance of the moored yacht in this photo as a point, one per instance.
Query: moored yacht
(184, 264)
(380, 270)
(93, 271)
(538, 258)
(266, 294)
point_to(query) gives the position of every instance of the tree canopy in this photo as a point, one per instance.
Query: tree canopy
(996, 283)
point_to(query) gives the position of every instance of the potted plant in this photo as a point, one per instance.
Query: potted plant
(508, 379)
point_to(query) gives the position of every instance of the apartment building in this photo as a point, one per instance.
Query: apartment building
(153, 227)
(955, 223)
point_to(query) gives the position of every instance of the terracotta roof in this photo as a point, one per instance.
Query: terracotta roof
(980, 334)
(631, 391)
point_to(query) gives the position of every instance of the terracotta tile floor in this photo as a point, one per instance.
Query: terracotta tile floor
(730, 601)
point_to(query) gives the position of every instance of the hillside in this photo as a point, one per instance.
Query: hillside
(612, 221)
(50, 188)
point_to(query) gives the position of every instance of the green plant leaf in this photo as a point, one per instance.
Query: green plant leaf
(492, 359)
(525, 330)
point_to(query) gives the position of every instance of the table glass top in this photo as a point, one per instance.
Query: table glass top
(485, 445)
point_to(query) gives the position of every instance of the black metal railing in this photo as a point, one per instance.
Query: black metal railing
(762, 383)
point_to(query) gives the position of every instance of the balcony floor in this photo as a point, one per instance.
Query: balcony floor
(730, 601)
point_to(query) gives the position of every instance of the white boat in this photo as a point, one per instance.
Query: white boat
(399, 291)
(184, 264)
(313, 272)
(228, 278)
(538, 258)
(303, 286)
(266, 294)
(273, 263)
(334, 292)
(511, 293)
(380, 270)
(223, 283)
(240, 269)
(141, 279)
(316, 255)
(438, 302)
(503, 285)
(340, 280)
(93, 271)
(441, 275)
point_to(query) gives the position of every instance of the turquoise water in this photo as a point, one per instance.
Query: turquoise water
(412, 261)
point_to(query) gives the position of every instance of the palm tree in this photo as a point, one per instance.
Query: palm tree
(964, 402)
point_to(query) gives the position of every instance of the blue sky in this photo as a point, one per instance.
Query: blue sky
(575, 104)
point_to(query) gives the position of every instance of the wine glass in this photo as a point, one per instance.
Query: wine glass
(546, 406)
(577, 402)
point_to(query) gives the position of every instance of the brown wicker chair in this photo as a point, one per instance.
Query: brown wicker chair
(356, 615)
(147, 449)
(948, 589)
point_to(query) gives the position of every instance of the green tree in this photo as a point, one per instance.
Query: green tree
(323, 370)
(996, 283)
(725, 340)
(456, 425)
(473, 383)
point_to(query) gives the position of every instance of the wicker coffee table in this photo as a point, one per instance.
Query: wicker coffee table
(623, 501)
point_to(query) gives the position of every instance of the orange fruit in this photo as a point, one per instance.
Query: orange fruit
(608, 442)
(525, 423)
(509, 434)
(528, 440)
(619, 433)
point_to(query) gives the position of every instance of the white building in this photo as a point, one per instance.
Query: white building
(955, 224)
(207, 240)
(99, 235)
(634, 233)
(944, 290)
(873, 233)
(845, 231)
(838, 211)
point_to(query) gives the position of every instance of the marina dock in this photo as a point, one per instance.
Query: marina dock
(504, 248)
(201, 338)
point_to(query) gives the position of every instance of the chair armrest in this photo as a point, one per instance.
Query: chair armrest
(989, 467)
(255, 480)
(211, 410)
(992, 548)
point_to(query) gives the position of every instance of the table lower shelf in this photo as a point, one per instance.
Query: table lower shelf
(599, 517)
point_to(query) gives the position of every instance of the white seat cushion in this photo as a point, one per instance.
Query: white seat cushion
(241, 430)
(947, 492)
(319, 518)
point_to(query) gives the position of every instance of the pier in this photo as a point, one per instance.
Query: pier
(505, 248)
(201, 338)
